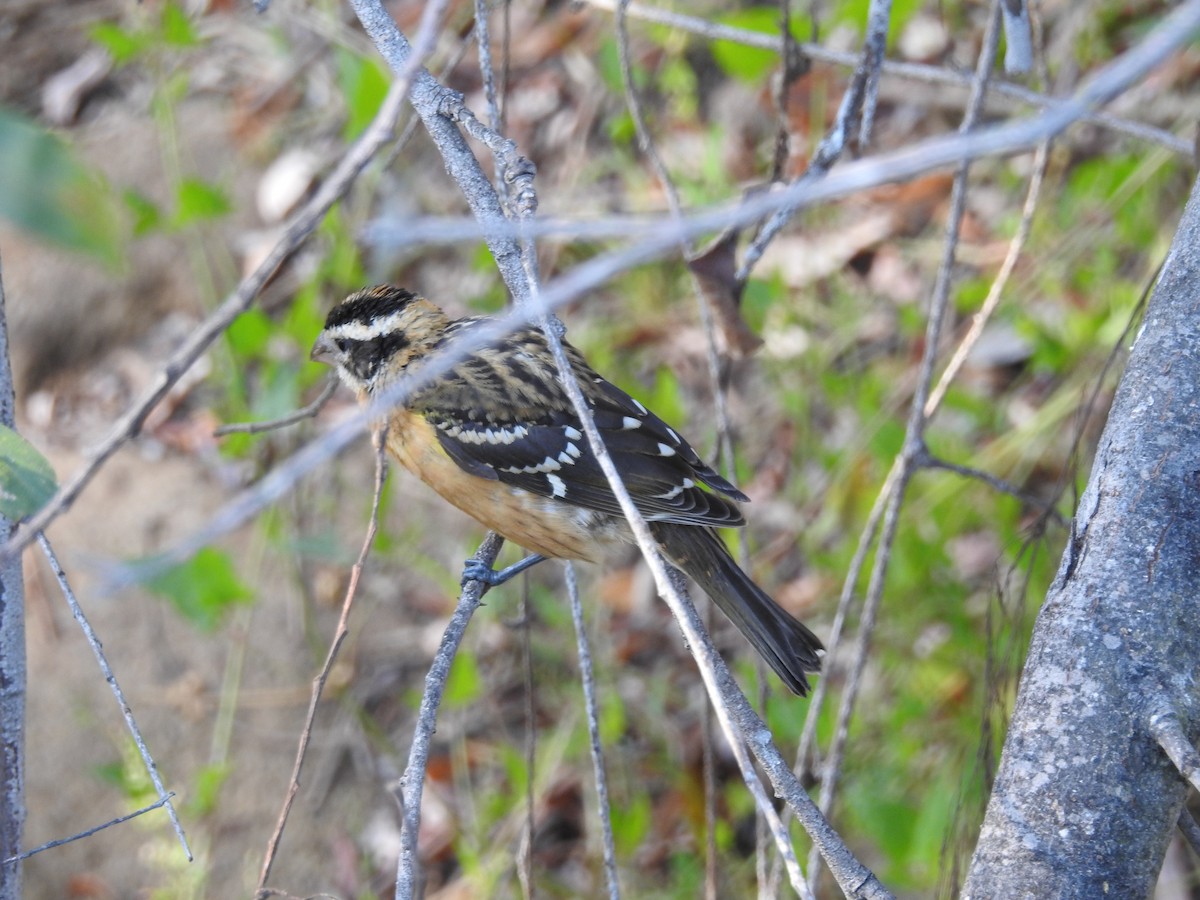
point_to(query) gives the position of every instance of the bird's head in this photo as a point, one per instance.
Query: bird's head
(372, 335)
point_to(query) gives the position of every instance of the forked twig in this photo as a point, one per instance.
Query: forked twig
(50, 845)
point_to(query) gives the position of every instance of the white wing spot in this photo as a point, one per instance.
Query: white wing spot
(546, 465)
(558, 487)
(674, 492)
(628, 423)
(674, 436)
(566, 458)
(664, 450)
(572, 432)
(574, 450)
(641, 408)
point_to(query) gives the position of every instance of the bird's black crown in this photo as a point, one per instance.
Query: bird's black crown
(369, 305)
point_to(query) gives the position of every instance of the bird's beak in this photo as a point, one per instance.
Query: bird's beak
(324, 351)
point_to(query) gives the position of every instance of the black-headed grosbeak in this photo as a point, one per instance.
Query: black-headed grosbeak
(498, 437)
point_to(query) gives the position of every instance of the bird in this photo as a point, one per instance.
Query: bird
(497, 436)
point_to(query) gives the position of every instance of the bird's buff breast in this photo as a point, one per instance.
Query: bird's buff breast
(540, 524)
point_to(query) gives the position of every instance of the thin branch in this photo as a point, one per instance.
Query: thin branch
(1168, 731)
(910, 71)
(85, 626)
(318, 685)
(1018, 37)
(1190, 830)
(879, 17)
(992, 301)
(588, 679)
(412, 783)
(305, 412)
(929, 461)
(914, 442)
(50, 845)
(525, 854)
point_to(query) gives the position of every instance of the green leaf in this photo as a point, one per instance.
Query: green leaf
(146, 214)
(202, 589)
(26, 478)
(464, 682)
(250, 332)
(123, 45)
(198, 200)
(207, 791)
(176, 28)
(46, 191)
(364, 83)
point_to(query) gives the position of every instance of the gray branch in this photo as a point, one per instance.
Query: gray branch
(1088, 795)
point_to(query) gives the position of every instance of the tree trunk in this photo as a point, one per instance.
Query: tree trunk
(12, 668)
(1086, 800)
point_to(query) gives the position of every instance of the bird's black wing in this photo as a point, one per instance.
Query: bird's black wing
(503, 414)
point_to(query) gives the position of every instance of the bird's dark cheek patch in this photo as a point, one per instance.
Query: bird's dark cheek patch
(363, 362)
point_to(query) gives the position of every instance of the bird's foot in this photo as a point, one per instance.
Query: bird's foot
(474, 570)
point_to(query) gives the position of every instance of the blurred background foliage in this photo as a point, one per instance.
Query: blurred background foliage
(242, 114)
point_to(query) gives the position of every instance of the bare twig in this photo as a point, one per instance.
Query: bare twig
(525, 854)
(318, 685)
(1018, 37)
(50, 845)
(85, 626)
(1190, 830)
(588, 679)
(1168, 731)
(879, 17)
(305, 412)
(983, 316)
(412, 783)
(927, 460)
(914, 441)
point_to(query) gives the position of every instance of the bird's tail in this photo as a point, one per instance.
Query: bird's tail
(786, 644)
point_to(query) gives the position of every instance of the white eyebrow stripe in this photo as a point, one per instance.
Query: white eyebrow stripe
(365, 331)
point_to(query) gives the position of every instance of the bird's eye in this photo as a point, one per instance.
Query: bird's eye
(342, 344)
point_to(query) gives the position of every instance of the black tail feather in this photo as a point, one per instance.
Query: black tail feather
(786, 644)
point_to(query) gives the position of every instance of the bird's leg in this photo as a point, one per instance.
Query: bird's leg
(474, 570)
